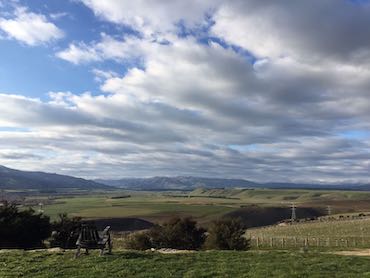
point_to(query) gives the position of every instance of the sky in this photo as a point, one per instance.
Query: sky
(261, 90)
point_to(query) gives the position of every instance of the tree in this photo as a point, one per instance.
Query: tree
(227, 234)
(22, 229)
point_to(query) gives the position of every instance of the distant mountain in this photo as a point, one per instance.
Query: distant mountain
(352, 186)
(15, 179)
(189, 183)
(185, 183)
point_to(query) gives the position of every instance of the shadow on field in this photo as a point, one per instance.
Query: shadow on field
(257, 216)
(121, 224)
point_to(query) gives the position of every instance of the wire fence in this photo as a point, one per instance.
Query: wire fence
(296, 242)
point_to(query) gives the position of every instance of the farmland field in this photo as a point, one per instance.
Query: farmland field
(15, 264)
(256, 207)
(201, 203)
(345, 233)
(152, 207)
(340, 228)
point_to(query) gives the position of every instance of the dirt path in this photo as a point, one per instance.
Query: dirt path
(357, 252)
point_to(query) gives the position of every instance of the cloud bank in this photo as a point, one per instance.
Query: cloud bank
(263, 90)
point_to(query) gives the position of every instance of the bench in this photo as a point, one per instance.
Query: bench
(90, 238)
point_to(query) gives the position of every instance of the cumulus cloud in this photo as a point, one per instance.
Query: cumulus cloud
(153, 18)
(212, 113)
(307, 31)
(278, 93)
(108, 48)
(30, 28)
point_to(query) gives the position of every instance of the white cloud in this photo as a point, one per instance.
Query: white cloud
(153, 18)
(308, 32)
(201, 110)
(101, 75)
(108, 48)
(191, 108)
(60, 15)
(80, 53)
(30, 28)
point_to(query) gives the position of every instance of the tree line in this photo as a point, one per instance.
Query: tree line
(27, 229)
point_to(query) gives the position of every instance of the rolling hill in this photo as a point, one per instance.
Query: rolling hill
(16, 179)
(179, 183)
(190, 183)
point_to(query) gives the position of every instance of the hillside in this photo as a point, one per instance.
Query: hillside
(16, 179)
(190, 264)
(190, 183)
(346, 227)
(180, 183)
(287, 196)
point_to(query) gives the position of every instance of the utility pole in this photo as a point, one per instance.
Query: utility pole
(2, 197)
(294, 216)
(328, 208)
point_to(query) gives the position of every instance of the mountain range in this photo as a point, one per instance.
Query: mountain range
(189, 183)
(179, 183)
(16, 179)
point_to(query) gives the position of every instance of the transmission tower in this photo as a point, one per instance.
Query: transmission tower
(294, 216)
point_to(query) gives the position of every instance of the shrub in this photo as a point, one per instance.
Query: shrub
(138, 241)
(22, 229)
(65, 231)
(177, 233)
(227, 234)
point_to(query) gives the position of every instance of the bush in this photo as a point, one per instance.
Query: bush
(138, 241)
(227, 234)
(22, 229)
(65, 231)
(177, 233)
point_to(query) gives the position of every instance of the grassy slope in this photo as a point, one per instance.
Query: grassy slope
(204, 205)
(150, 206)
(200, 264)
(334, 229)
(284, 196)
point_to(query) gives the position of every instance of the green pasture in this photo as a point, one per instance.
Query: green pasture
(283, 196)
(43, 264)
(147, 206)
(202, 204)
(335, 229)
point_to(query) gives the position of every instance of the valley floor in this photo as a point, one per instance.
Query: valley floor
(195, 264)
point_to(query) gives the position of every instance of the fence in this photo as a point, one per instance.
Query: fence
(296, 242)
